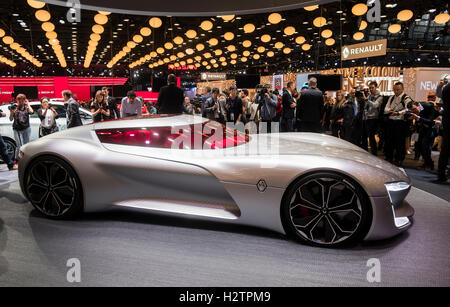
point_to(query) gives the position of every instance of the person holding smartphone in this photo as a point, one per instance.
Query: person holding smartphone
(20, 116)
(48, 115)
(99, 108)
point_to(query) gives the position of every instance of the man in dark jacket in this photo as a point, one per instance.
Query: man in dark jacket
(310, 108)
(289, 105)
(425, 115)
(171, 97)
(112, 105)
(445, 151)
(73, 110)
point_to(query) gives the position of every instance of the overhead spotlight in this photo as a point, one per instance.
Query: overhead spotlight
(405, 15)
(359, 9)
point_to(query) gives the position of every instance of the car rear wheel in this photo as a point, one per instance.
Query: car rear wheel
(326, 209)
(53, 187)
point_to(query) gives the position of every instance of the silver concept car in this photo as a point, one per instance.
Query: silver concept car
(316, 188)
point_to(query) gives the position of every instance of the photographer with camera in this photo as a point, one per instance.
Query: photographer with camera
(48, 115)
(395, 109)
(20, 115)
(99, 108)
(267, 104)
(4, 151)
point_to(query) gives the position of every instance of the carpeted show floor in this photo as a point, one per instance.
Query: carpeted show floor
(135, 249)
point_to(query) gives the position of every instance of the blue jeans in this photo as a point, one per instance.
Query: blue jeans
(22, 137)
(4, 153)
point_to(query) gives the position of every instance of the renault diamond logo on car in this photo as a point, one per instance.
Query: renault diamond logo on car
(346, 53)
(261, 185)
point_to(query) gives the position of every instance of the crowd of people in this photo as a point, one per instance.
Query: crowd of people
(382, 125)
(379, 124)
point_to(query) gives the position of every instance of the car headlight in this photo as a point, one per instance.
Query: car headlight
(397, 192)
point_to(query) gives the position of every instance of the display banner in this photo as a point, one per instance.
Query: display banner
(364, 50)
(213, 76)
(277, 82)
(187, 8)
(362, 75)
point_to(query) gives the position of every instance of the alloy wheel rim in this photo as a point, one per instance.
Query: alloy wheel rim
(325, 210)
(51, 188)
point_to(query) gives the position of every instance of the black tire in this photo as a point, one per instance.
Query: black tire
(11, 147)
(326, 209)
(53, 188)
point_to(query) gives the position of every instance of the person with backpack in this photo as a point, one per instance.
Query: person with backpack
(20, 116)
(395, 109)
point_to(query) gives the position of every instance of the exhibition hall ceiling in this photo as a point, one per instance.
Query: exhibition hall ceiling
(42, 38)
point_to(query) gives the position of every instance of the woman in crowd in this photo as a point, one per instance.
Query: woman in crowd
(48, 115)
(251, 113)
(337, 115)
(99, 107)
(20, 115)
(328, 108)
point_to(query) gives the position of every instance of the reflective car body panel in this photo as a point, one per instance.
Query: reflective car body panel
(219, 184)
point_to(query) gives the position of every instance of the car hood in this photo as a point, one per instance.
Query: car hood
(301, 144)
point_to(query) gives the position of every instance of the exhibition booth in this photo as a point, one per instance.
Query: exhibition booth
(101, 190)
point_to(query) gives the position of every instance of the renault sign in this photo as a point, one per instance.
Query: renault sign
(364, 50)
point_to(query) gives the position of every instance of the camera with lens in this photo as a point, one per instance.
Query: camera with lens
(359, 93)
(12, 107)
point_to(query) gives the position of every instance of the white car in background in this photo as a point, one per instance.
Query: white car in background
(7, 132)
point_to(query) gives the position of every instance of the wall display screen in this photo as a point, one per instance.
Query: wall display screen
(247, 81)
(328, 82)
(120, 90)
(30, 91)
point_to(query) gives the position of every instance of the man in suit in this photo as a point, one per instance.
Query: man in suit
(171, 97)
(445, 151)
(113, 109)
(289, 105)
(310, 108)
(73, 110)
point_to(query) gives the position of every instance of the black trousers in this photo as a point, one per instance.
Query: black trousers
(310, 127)
(445, 154)
(425, 144)
(335, 129)
(370, 128)
(346, 133)
(395, 139)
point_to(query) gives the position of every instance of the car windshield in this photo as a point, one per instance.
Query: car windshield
(207, 135)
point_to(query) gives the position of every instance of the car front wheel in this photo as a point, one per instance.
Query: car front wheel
(326, 209)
